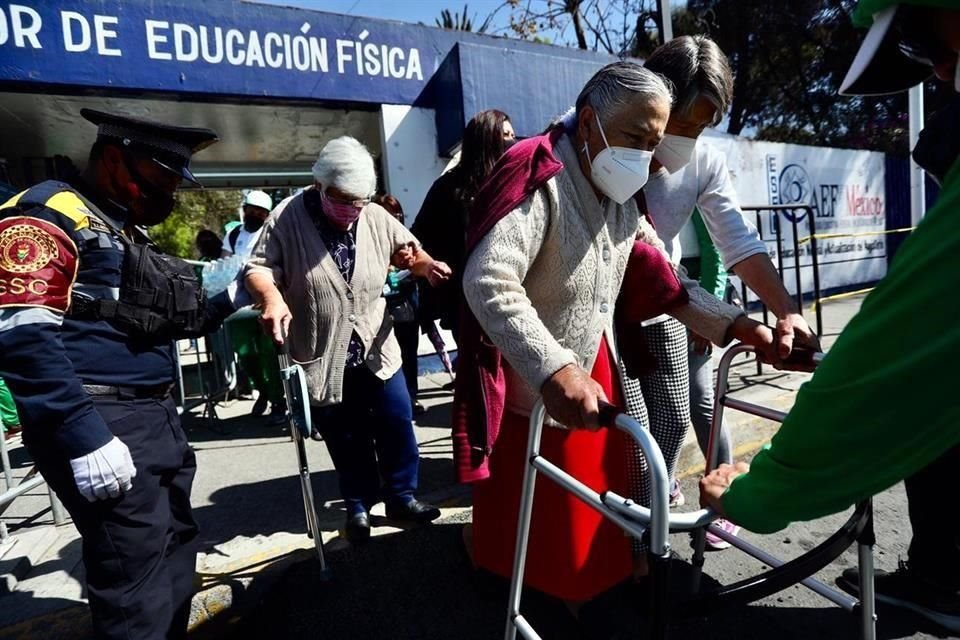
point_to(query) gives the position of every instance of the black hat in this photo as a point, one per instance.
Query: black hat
(169, 146)
(880, 66)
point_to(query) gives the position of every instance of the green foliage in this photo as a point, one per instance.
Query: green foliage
(788, 58)
(195, 210)
(454, 21)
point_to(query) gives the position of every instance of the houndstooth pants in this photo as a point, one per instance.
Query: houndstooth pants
(660, 401)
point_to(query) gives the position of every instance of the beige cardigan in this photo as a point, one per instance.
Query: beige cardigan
(543, 282)
(326, 309)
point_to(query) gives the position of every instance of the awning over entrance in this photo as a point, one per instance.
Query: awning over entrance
(260, 145)
(274, 82)
(532, 88)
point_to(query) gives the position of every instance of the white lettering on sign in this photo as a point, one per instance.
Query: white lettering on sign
(25, 25)
(344, 54)
(103, 33)
(154, 39)
(234, 42)
(21, 26)
(69, 19)
(185, 43)
(216, 55)
(73, 22)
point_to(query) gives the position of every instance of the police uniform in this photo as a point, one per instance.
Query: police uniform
(88, 354)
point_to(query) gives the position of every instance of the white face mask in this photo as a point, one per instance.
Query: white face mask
(674, 152)
(619, 172)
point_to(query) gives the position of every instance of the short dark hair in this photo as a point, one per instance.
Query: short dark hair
(391, 204)
(697, 67)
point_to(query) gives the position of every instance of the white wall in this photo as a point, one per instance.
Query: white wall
(410, 160)
(845, 187)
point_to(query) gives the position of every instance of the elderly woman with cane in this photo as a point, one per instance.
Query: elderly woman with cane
(318, 269)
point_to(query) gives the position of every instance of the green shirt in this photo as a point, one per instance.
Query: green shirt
(884, 403)
(8, 410)
(713, 277)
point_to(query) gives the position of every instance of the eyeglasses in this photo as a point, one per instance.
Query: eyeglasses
(359, 203)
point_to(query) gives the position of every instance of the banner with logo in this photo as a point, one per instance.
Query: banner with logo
(845, 191)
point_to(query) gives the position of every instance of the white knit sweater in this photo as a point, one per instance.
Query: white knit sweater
(543, 282)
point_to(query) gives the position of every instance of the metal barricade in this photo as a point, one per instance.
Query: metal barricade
(776, 227)
(13, 490)
(215, 367)
(656, 522)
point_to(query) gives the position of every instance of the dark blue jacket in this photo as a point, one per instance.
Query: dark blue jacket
(52, 244)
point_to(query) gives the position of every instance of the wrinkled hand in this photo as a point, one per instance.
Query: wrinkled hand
(573, 398)
(793, 331)
(438, 273)
(275, 318)
(757, 335)
(716, 483)
(105, 473)
(405, 257)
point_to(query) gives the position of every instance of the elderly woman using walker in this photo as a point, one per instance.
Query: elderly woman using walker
(318, 270)
(551, 236)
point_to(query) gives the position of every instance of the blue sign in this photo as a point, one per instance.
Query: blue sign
(224, 48)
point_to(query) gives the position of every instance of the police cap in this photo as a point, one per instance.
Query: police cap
(170, 146)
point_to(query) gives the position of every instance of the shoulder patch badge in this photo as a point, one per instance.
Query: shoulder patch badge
(38, 264)
(25, 248)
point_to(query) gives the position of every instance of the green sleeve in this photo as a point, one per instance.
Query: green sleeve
(713, 277)
(884, 402)
(8, 410)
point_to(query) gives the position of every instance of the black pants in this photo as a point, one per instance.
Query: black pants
(137, 548)
(935, 548)
(408, 335)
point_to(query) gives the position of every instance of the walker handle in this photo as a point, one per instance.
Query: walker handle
(608, 414)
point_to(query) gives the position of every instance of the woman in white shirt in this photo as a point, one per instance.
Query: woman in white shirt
(685, 174)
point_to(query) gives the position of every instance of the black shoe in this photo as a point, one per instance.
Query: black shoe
(413, 511)
(316, 435)
(357, 528)
(418, 409)
(903, 588)
(278, 415)
(260, 406)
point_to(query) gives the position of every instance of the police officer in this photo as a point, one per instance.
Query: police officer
(89, 310)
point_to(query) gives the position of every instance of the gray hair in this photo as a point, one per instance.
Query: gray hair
(620, 84)
(697, 67)
(344, 163)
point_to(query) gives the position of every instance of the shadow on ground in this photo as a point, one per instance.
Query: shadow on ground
(417, 584)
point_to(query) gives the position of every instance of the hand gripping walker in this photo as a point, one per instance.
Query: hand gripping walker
(656, 523)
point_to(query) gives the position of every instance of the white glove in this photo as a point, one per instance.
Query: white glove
(104, 473)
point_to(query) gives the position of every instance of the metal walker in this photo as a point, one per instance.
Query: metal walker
(656, 523)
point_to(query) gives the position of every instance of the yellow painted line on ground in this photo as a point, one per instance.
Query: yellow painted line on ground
(745, 449)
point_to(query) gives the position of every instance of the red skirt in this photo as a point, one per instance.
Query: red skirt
(573, 553)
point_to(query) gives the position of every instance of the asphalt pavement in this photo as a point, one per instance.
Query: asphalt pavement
(257, 579)
(418, 584)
